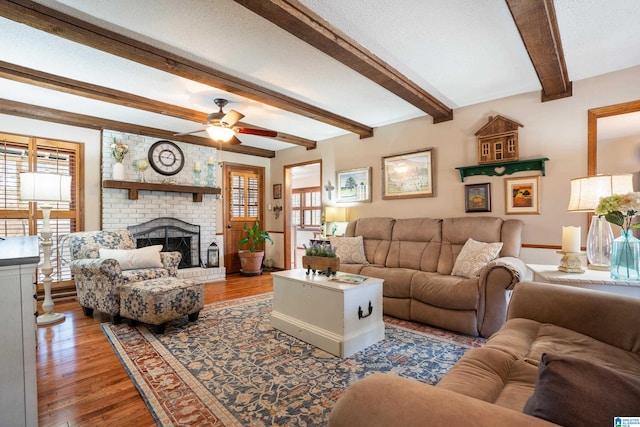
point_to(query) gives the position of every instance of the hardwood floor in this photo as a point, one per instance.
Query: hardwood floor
(81, 381)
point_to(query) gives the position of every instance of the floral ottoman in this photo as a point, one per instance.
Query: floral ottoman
(158, 301)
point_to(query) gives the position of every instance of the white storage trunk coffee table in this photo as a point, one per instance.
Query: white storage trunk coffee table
(339, 318)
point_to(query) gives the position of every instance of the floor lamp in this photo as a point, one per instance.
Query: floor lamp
(586, 193)
(46, 188)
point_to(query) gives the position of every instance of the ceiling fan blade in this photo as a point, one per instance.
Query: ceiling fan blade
(231, 118)
(190, 133)
(257, 132)
(234, 141)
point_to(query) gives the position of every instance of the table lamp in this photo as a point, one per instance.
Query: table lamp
(335, 215)
(46, 188)
(586, 193)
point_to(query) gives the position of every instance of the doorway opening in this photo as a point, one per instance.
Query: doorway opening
(303, 207)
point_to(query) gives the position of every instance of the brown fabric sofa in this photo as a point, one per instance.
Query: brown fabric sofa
(415, 258)
(489, 386)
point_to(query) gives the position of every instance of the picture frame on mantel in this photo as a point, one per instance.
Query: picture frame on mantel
(354, 185)
(277, 191)
(522, 195)
(408, 175)
(477, 197)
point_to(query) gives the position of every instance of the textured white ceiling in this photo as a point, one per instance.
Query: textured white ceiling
(461, 51)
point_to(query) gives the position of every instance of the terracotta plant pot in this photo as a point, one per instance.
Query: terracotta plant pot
(251, 263)
(321, 264)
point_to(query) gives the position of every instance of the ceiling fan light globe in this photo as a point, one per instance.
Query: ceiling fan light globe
(219, 133)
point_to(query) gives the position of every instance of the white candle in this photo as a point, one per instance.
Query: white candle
(197, 167)
(570, 239)
(210, 160)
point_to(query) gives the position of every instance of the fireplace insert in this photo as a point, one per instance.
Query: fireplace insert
(174, 235)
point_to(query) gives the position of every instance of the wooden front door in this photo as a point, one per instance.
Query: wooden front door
(244, 202)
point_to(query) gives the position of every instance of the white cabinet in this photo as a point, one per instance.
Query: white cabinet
(339, 318)
(19, 257)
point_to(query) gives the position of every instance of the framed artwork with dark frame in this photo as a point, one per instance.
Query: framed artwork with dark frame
(277, 191)
(408, 175)
(522, 195)
(477, 197)
(354, 185)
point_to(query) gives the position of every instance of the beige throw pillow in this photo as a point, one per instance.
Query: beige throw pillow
(474, 256)
(131, 259)
(349, 249)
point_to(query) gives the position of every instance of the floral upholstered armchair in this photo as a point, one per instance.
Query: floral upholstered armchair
(98, 279)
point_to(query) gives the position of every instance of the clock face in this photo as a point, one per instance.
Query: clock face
(166, 158)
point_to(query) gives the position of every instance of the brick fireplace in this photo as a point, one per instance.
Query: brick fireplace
(119, 212)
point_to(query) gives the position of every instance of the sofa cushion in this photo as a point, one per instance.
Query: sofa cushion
(131, 259)
(474, 256)
(415, 244)
(451, 292)
(376, 233)
(489, 371)
(350, 250)
(574, 392)
(456, 232)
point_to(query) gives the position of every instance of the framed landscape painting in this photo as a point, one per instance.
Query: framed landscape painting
(354, 185)
(408, 175)
(477, 197)
(522, 195)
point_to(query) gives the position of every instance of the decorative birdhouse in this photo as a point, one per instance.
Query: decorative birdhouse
(498, 140)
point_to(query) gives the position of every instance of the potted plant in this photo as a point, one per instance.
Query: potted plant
(251, 259)
(321, 257)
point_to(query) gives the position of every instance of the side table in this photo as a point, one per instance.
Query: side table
(591, 279)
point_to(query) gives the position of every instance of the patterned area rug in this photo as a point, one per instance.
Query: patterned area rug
(231, 368)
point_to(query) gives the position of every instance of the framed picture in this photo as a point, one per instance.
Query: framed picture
(522, 195)
(408, 175)
(277, 191)
(477, 197)
(354, 185)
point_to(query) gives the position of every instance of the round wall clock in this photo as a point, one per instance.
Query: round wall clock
(166, 158)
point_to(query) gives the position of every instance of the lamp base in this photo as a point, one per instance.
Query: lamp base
(570, 262)
(49, 318)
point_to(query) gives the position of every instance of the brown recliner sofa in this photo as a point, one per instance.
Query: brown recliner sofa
(415, 258)
(595, 336)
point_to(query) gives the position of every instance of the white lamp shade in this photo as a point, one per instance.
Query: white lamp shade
(45, 187)
(335, 214)
(220, 133)
(586, 192)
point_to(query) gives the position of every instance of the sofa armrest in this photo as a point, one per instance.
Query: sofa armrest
(515, 267)
(389, 400)
(604, 316)
(98, 283)
(497, 279)
(170, 261)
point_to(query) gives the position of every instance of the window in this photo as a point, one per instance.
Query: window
(306, 207)
(245, 196)
(511, 145)
(23, 154)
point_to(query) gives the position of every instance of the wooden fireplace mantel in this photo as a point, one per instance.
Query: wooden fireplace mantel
(134, 187)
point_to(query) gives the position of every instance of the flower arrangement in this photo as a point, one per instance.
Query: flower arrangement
(322, 249)
(620, 209)
(118, 150)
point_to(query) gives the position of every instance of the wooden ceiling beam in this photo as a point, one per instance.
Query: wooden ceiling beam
(113, 96)
(538, 28)
(57, 23)
(302, 22)
(30, 111)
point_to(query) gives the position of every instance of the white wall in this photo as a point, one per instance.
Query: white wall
(555, 129)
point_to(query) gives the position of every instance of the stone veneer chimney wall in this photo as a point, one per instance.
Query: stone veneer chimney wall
(118, 211)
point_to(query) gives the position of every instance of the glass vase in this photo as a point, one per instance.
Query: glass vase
(625, 253)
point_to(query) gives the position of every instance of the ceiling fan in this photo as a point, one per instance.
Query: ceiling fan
(221, 126)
